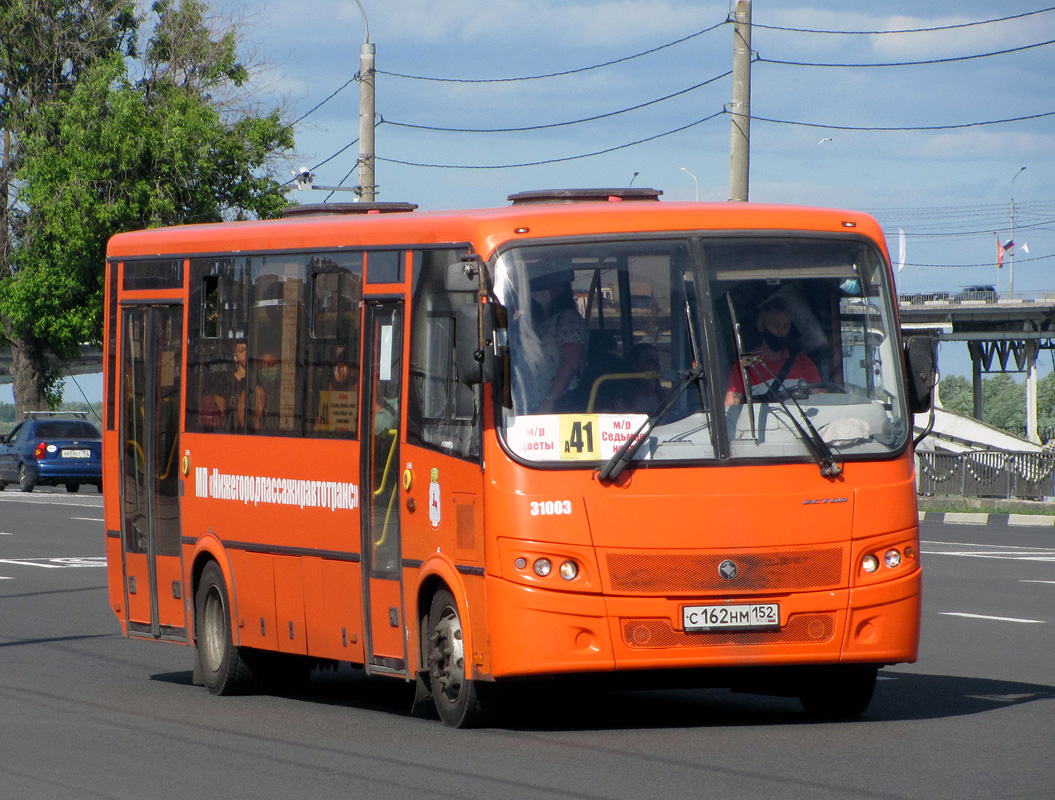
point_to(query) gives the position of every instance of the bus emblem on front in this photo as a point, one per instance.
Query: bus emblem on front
(728, 570)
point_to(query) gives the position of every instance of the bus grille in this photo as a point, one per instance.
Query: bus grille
(801, 628)
(775, 571)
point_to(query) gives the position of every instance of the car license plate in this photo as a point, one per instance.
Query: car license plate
(76, 453)
(750, 616)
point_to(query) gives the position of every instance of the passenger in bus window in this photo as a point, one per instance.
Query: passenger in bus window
(337, 402)
(777, 362)
(562, 336)
(228, 392)
(263, 405)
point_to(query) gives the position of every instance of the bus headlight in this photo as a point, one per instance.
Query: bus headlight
(870, 563)
(543, 567)
(569, 570)
(892, 558)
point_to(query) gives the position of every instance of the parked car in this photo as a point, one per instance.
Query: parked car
(52, 449)
(981, 292)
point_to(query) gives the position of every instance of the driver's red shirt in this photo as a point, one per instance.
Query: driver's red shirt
(762, 372)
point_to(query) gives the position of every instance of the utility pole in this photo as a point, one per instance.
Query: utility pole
(1011, 255)
(367, 51)
(740, 108)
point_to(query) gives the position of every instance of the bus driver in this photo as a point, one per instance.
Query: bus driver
(769, 367)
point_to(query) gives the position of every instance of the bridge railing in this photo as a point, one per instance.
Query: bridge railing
(986, 473)
(974, 296)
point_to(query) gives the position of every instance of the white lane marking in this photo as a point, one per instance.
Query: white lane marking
(994, 619)
(89, 519)
(1025, 581)
(1007, 552)
(57, 563)
(6, 534)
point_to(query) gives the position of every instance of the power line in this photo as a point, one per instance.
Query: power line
(906, 30)
(897, 128)
(986, 232)
(909, 63)
(556, 74)
(553, 160)
(975, 266)
(557, 124)
(337, 91)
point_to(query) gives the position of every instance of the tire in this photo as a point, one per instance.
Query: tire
(73, 487)
(24, 482)
(838, 692)
(460, 702)
(224, 670)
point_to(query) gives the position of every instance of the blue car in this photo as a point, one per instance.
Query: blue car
(52, 450)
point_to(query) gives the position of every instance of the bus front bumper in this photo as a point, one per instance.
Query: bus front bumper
(548, 633)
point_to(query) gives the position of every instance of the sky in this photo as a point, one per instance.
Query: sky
(949, 188)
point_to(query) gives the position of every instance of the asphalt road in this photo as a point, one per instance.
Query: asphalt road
(87, 714)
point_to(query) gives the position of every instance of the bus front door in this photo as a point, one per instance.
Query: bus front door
(151, 399)
(383, 585)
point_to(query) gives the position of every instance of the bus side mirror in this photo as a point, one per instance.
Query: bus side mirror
(462, 277)
(920, 366)
(474, 356)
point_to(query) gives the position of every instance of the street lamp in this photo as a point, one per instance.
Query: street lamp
(367, 51)
(694, 181)
(1011, 262)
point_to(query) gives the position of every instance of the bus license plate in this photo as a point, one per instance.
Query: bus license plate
(76, 453)
(754, 616)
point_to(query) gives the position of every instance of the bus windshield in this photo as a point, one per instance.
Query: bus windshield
(731, 347)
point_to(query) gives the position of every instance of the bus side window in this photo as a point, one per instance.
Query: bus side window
(217, 326)
(274, 392)
(333, 345)
(443, 412)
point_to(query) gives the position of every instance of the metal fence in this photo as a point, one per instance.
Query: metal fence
(987, 473)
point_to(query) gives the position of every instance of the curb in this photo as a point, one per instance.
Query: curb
(982, 518)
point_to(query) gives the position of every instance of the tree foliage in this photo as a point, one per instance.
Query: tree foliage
(127, 144)
(1003, 400)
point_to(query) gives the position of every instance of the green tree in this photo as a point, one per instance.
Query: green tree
(46, 46)
(956, 394)
(1046, 401)
(1004, 402)
(116, 152)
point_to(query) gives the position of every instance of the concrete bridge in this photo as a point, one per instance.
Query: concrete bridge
(1003, 334)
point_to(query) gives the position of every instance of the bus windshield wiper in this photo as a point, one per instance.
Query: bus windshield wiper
(814, 442)
(628, 449)
(742, 364)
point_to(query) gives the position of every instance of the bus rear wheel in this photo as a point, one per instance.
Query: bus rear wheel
(460, 702)
(838, 692)
(223, 667)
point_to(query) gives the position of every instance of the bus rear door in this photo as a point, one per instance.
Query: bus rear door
(151, 399)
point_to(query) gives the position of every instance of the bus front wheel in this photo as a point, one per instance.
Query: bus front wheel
(838, 692)
(223, 667)
(460, 702)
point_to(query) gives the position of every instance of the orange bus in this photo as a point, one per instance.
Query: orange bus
(589, 434)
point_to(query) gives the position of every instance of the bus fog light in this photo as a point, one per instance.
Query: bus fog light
(543, 567)
(569, 570)
(520, 563)
(892, 558)
(870, 563)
